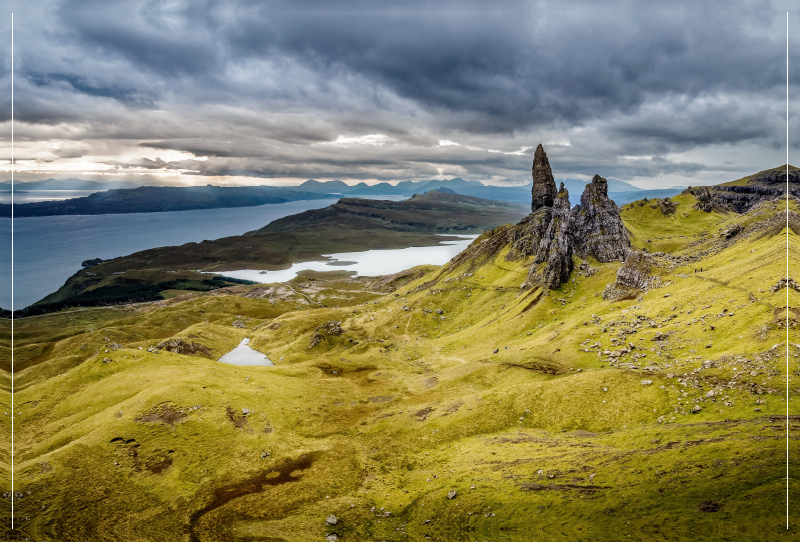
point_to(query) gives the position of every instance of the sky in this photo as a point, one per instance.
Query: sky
(658, 94)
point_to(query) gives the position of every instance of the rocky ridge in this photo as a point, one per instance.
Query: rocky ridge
(740, 198)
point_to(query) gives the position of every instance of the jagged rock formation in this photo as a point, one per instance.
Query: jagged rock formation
(543, 193)
(555, 247)
(633, 277)
(187, 348)
(666, 205)
(553, 232)
(597, 228)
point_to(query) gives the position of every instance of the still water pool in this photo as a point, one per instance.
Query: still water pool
(369, 263)
(244, 355)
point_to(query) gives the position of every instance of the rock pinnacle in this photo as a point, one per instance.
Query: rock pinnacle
(543, 193)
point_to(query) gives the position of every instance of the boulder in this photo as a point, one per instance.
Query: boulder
(91, 263)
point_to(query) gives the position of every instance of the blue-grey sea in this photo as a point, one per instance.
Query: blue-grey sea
(48, 250)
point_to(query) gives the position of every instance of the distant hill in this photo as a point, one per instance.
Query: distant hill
(437, 211)
(151, 199)
(619, 191)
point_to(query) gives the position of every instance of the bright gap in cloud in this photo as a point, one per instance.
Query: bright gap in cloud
(370, 139)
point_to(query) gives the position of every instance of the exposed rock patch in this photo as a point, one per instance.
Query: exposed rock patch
(763, 186)
(786, 283)
(168, 415)
(633, 277)
(331, 328)
(179, 346)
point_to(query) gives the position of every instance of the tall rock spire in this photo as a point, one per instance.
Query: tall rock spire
(543, 193)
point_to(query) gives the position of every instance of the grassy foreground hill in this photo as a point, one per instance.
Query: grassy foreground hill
(443, 403)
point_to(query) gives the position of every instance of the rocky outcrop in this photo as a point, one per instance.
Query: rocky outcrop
(786, 283)
(552, 233)
(553, 258)
(92, 263)
(187, 348)
(597, 228)
(666, 206)
(526, 236)
(543, 193)
(633, 277)
(740, 198)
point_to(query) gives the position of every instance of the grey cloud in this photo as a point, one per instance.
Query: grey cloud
(259, 87)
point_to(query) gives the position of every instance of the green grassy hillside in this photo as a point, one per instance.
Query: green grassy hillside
(454, 407)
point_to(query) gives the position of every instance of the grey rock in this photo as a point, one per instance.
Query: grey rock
(597, 228)
(452, 494)
(555, 248)
(633, 277)
(526, 236)
(543, 192)
(786, 283)
(332, 520)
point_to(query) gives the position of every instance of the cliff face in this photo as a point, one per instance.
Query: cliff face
(598, 230)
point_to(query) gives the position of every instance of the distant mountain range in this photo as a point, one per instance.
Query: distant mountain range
(620, 191)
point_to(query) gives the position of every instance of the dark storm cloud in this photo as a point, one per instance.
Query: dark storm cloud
(262, 88)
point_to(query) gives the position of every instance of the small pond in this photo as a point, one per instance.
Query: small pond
(244, 355)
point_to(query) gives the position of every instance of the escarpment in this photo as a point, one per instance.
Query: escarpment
(741, 196)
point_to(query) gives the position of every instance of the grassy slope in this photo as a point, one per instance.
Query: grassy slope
(545, 438)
